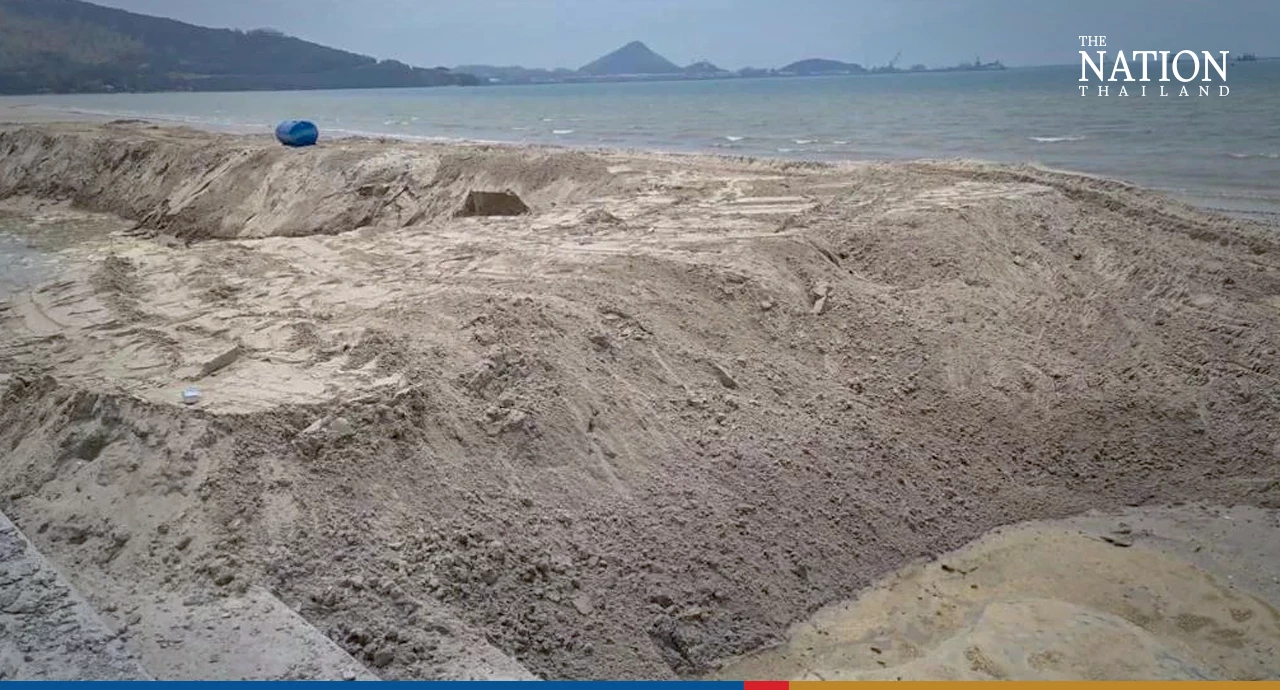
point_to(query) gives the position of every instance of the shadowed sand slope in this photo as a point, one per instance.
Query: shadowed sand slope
(679, 405)
(1167, 594)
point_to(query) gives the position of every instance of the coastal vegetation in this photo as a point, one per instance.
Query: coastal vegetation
(67, 46)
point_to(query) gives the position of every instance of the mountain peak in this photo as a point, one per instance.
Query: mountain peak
(632, 58)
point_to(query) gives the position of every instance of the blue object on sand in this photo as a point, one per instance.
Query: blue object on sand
(297, 133)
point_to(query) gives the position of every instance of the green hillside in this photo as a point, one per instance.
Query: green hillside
(67, 46)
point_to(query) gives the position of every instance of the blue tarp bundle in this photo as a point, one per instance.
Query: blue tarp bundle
(297, 133)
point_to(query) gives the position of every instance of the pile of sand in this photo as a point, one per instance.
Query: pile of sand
(622, 445)
(195, 186)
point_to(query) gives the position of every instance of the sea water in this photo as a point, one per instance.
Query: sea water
(21, 264)
(1221, 152)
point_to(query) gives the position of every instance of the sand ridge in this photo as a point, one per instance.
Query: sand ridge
(680, 405)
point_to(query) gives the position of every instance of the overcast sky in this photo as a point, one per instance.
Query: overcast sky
(738, 33)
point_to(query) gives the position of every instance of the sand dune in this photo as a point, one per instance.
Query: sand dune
(644, 428)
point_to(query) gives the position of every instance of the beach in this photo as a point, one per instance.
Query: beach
(1211, 151)
(648, 427)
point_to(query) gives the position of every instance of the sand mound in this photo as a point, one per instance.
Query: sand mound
(197, 186)
(610, 449)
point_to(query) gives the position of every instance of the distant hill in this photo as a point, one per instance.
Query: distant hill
(637, 62)
(817, 66)
(66, 46)
(703, 69)
(516, 75)
(633, 58)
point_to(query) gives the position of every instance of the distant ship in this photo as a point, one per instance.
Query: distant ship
(1247, 57)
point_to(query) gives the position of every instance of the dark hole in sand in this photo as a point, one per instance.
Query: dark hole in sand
(492, 204)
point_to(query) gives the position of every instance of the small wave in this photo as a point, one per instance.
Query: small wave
(339, 132)
(733, 138)
(1272, 156)
(1054, 140)
(210, 123)
(787, 150)
(802, 142)
(838, 142)
(521, 129)
(89, 111)
(562, 131)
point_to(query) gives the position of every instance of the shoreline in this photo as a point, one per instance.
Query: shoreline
(639, 430)
(1263, 209)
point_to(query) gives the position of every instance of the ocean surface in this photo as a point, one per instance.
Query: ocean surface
(1219, 152)
(21, 264)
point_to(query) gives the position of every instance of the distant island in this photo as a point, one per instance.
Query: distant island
(1252, 57)
(68, 46)
(635, 61)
